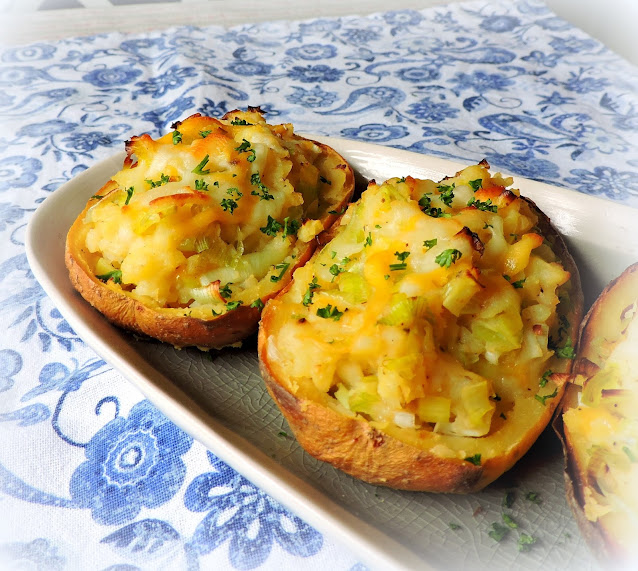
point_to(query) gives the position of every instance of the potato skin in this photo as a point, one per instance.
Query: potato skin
(596, 325)
(166, 325)
(354, 446)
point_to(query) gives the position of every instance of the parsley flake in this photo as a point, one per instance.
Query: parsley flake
(454, 526)
(283, 267)
(533, 497)
(245, 147)
(475, 459)
(446, 193)
(129, 193)
(543, 399)
(509, 522)
(329, 312)
(368, 241)
(545, 378)
(199, 169)
(525, 542)
(476, 184)
(257, 303)
(566, 351)
(228, 204)
(164, 178)
(498, 531)
(200, 184)
(237, 121)
(263, 193)
(115, 275)
(485, 206)
(312, 286)
(231, 305)
(429, 244)
(448, 257)
(225, 291)
(425, 201)
(272, 227)
(177, 137)
(204, 134)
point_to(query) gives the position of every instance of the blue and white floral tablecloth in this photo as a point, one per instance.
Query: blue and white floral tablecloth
(92, 476)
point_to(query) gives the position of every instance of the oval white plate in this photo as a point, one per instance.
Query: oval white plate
(221, 400)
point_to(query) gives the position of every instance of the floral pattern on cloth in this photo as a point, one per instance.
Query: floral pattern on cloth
(509, 82)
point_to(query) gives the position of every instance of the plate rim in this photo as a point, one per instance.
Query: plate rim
(370, 544)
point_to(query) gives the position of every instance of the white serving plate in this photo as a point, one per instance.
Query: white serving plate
(222, 402)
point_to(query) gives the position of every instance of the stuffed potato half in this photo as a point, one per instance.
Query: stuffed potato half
(426, 346)
(600, 424)
(203, 225)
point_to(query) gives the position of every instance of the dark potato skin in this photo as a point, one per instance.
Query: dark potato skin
(599, 322)
(169, 325)
(359, 449)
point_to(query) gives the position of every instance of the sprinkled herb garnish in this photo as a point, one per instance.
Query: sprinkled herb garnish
(475, 459)
(263, 193)
(525, 542)
(545, 378)
(199, 169)
(485, 206)
(436, 212)
(338, 212)
(402, 265)
(508, 499)
(475, 184)
(329, 312)
(228, 204)
(129, 193)
(448, 257)
(272, 227)
(533, 497)
(429, 244)
(225, 291)
(518, 284)
(454, 526)
(291, 227)
(237, 121)
(200, 184)
(177, 137)
(509, 522)
(566, 351)
(245, 147)
(446, 193)
(542, 399)
(425, 201)
(231, 305)
(283, 267)
(204, 134)
(498, 531)
(115, 275)
(312, 286)
(164, 178)
(368, 240)
(257, 303)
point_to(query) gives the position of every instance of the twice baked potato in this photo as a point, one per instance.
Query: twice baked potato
(203, 225)
(600, 425)
(426, 346)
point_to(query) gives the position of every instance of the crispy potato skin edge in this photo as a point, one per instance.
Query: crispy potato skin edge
(181, 331)
(599, 539)
(357, 448)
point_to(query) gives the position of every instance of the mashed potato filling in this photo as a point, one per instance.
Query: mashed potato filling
(434, 309)
(211, 215)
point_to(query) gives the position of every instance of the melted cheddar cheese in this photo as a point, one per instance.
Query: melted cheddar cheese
(211, 215)
(433, 310)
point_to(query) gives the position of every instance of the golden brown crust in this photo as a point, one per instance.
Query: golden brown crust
(353, 445)
(601, 321)
(166, 325)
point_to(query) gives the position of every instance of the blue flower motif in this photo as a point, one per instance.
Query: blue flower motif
(481, 81)
(525, 165)
(426, 72)
(432, 112)
(10, 365)
(360, 36)
(238, 511)
(32, 52)
(579, 84)
(158, 86)
(249, 68)
(47, 128)
(131, 463)
(167, 114)
(572, 44)
(605, 181)
(402, 17)
(212, 109)
(85, 142)
(554, 99)
(20, 76)
(315, 97)
(112, 76)
(313, 52)
(9, 214)
(500, 24)
(315, 73)
(376, 132)
(597, 139)
(18, 171)
(552, 23)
